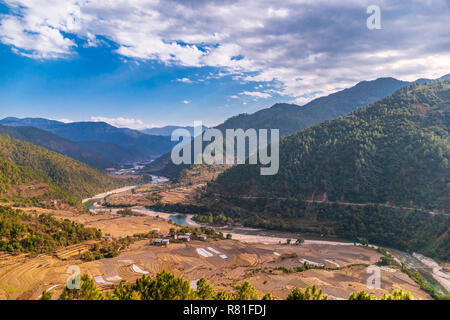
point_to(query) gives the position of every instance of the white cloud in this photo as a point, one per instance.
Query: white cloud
(256, 94)
(65, 120)
(123, 122)
(278, 13)
(43, 42)
(185, 80)
(186, 101)
(323, 42)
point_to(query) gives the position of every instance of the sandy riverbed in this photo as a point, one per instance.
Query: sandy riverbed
(101, 196)
(437, 274)
(249, 238)
(105, 194)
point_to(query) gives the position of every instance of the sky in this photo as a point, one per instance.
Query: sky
(146, 63)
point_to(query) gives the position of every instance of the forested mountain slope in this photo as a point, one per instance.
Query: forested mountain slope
(55, 143)
(380, 173)
(393, 151)
(22, 163)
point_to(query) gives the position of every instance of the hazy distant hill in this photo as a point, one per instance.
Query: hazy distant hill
(40, 123)
(394, 152)
(55, 143)
(134, 143)
(24, 163)
(112, 151)
(167, 130)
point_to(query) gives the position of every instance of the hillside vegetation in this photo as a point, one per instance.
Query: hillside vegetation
(22, 232)
(394, 151)
(55, 143)
(167, 286)
(373, 163)
(24, 163)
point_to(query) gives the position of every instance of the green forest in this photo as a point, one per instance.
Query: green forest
(24, 163)
(376, 173)
(23, 232)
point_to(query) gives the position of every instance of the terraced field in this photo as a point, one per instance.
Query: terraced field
(75, 250)
(25, 277)
(114, 225)
(224, 263)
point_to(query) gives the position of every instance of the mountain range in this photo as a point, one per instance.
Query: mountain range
(380, 172)
(96, 143)
(101, 145)
(64, 146)
(388, 152)
(289, 118)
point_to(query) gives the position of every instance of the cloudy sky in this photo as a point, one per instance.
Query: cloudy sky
(142, 63)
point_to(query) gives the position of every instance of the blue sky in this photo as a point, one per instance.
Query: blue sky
(97, 83)
(152, 63)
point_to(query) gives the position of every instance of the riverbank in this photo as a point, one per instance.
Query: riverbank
(437, 274)
(105, 194)
(101, 196)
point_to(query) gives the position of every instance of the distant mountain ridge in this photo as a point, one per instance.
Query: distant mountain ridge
(55, 143)
(130, 145)
(113, 152)
(290, 118)
(40, 123)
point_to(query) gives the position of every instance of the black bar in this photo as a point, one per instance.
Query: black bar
(168, 310)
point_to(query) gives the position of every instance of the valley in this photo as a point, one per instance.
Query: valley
(297, 229)
(202, 158)
(261, 257)
(257, 262)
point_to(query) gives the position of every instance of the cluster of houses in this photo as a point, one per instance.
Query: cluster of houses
(164, 239)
